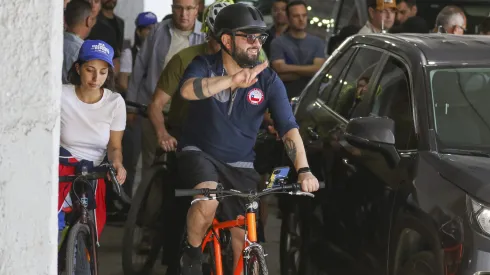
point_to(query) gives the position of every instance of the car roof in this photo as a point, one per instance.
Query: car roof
(438, 49)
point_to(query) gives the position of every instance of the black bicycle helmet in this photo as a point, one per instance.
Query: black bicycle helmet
(238, 17)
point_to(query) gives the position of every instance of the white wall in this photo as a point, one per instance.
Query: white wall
(129, 10)
(31, 61)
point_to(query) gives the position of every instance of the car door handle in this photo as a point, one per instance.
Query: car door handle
(350, 166)
(313, 135)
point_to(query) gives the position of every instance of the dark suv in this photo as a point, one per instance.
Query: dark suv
(399, 129)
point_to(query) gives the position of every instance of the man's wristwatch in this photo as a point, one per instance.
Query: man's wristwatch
(304, 170)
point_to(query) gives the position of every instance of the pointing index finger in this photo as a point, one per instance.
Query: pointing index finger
(260, 67)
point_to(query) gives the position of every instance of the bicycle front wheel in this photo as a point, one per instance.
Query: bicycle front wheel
(81, 251)
(256, 264)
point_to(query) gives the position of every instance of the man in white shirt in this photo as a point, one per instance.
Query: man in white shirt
(382, 15)
(167, 38)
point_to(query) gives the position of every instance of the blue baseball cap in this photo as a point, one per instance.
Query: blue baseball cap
(145, 19)
(96, 49)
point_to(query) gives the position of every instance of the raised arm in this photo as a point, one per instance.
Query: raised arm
(197, 87)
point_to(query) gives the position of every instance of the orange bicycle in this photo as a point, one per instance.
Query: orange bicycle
(252, 260)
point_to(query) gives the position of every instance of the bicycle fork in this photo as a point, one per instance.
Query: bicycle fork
(250, 237)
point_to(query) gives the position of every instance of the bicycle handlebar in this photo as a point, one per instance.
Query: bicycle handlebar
(295, 187)
(99, 175)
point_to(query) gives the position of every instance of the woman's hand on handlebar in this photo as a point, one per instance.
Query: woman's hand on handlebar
(308, 182)
(120, 172)
(167, 142)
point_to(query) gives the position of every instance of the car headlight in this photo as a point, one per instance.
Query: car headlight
(480, 214)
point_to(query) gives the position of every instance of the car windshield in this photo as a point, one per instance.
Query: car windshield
(461, 101)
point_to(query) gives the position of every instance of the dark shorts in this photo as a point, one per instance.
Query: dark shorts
(196, 167)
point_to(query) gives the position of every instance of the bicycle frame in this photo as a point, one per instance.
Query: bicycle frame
(213, 235)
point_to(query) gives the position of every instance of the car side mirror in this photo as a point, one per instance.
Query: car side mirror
(374, 133)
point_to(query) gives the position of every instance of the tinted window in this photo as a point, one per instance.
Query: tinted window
(332, 74)
(320, 86)
(460, 98)
(392, 99)
(351, 85)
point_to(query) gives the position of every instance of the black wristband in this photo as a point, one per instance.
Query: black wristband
(304, 170)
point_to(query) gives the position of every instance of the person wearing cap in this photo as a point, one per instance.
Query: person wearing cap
(93, 119)
(132, 135)
(228, 94)
(144, 22)
(78, 22)
(381, 16)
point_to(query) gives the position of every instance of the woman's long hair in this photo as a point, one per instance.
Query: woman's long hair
(76, 80)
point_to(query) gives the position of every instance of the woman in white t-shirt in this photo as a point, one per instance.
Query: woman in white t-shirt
(93, 119)
(144, 22)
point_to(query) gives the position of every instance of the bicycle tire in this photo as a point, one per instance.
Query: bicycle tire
(134, 218)
(256, 255)
(71, 247)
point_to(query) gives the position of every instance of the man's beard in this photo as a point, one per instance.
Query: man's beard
(244, 60)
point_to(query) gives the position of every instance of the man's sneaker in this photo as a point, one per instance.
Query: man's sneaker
(191, 261)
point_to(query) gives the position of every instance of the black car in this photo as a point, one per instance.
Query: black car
(399, 129)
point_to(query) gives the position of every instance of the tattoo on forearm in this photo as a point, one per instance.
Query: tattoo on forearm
(197, 84)
(290, 149)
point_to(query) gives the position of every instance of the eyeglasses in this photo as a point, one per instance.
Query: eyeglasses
(179, 8)
(252, 37)
(461, 27)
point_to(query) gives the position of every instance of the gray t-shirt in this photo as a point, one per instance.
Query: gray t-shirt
(296, 51)
(71, 46)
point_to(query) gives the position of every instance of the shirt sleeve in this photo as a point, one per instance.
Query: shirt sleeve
(276, 51)
(170, 78)
(280, 108)
(126, 61)
(320, 49)
(197, 68)
(119, 118)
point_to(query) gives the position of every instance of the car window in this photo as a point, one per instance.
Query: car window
(348, 89)
(392, 99)
(320, 86)
(460, 97)
(332, 74)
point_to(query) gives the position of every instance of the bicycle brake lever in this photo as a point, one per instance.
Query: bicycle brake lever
(301, 193)
(114, 180)
(201, 199)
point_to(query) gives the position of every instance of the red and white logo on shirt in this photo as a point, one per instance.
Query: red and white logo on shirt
(255, 96)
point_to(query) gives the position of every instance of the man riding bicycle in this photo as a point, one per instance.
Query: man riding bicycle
(228, 94)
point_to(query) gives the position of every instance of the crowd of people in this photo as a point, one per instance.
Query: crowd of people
(205, 75)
